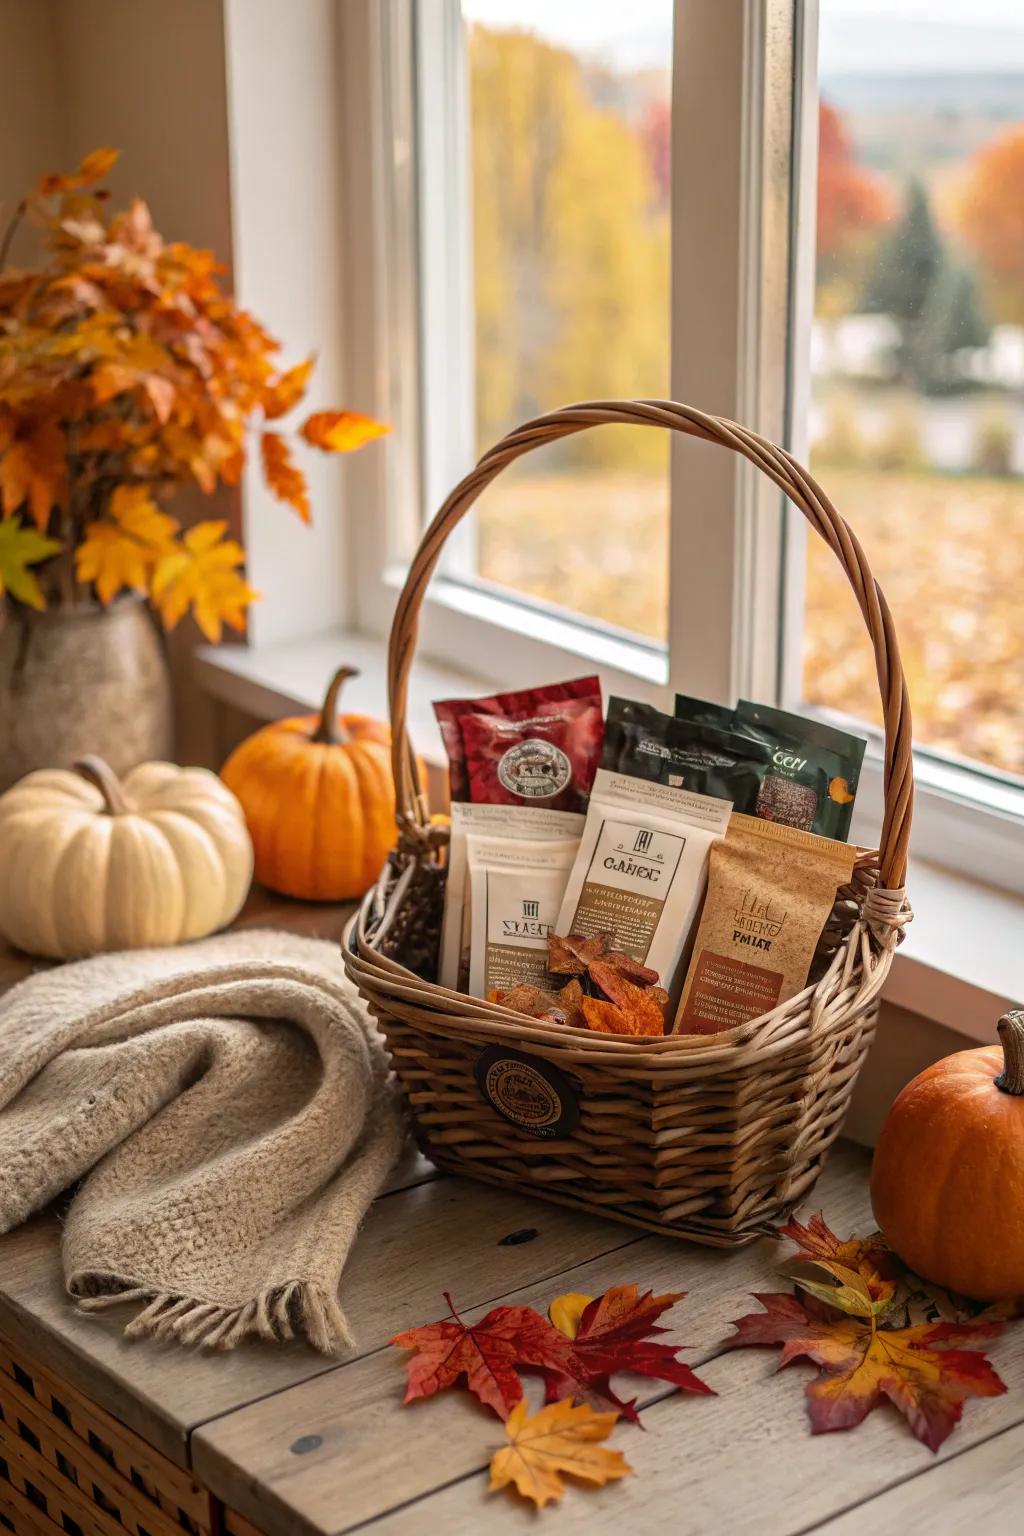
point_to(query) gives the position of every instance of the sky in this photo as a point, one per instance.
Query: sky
(913, 36)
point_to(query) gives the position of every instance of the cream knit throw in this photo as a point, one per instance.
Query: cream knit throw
(226, 1104)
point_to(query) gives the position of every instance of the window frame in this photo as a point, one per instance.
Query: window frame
(744, 83)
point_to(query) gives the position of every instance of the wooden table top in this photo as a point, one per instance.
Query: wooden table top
(306, 1446)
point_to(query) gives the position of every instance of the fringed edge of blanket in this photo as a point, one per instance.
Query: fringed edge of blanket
(297, 1309)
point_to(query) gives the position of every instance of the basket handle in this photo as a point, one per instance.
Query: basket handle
(780, 467)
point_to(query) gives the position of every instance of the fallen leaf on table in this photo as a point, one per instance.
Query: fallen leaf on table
(558, 1441)
(487, 1353)
(862, 1364)
(612, 1333)
(846, 1261)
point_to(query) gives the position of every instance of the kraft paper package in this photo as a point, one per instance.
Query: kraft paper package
(516, 889)
(771, 890)
(801, 772)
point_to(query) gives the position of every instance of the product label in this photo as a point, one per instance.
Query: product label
(527, 1091)
(724, 992)
(517, 927)
(534, 769)
(627, 883)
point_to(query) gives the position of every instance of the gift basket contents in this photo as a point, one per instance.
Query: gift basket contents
(639, 970)
(689, 887)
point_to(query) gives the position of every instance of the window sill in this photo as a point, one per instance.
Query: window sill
(960, 965)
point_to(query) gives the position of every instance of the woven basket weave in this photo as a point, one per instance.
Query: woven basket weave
(708, 1138)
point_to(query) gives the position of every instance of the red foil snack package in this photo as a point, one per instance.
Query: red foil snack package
(540, 746)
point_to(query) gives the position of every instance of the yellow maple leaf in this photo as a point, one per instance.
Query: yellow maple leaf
(341, 431)
(20, 548)
(122, 550)
(286, 481)
(559, 1440)
(201, 573)
(287, 390)
(566, 1311)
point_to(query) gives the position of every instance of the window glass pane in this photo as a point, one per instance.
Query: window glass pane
(569, 147)
(917, 424)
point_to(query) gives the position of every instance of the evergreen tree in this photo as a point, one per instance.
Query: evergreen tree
(908, 260)
(952, 318)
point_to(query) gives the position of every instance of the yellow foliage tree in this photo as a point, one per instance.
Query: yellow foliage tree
(571, 248)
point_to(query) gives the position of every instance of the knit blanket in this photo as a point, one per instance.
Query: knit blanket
(227, 1107)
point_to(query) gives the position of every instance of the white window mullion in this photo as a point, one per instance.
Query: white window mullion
(731, 141)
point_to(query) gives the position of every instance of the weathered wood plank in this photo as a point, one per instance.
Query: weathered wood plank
(977, 1490)
(414, 1244)
(742, 1462)
(341, 1450)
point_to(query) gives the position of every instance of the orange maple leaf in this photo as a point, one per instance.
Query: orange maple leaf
(864, 1365)
(33, 470)
(341, 431)
(92, 168)
(558, 1441)
(285, 392)
(286, 481)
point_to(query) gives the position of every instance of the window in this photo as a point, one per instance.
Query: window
(917, 355)
(602, 200)
(569, 150)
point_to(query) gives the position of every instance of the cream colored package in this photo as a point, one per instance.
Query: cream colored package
(507, 821)
(641, 869)
(516, 889)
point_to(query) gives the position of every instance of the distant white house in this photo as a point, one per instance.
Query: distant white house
(867, 347)
(856, 347)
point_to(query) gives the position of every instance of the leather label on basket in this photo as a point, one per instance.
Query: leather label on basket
(528, 1091)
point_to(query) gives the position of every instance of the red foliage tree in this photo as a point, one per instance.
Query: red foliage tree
(851, 201)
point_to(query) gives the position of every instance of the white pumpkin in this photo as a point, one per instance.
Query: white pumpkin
(88, 863)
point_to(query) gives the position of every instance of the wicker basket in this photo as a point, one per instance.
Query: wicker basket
(708, 1138)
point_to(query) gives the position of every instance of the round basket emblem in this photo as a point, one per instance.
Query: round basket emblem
(527, 1091)
(535, 769)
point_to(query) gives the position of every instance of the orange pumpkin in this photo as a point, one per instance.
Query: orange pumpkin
(319, 800)
(947, 1184)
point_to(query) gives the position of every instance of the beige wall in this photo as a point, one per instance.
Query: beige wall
(905, 1044)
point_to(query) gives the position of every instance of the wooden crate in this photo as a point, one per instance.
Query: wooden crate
(68, 1466)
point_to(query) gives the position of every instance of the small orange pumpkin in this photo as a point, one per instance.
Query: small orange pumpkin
(947, 1183)
(319, 800)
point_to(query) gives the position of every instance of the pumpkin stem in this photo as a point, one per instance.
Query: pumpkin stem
(329, 730)
(115, 801)
(1011, 1033)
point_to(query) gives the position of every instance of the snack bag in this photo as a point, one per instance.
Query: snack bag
(536, 747)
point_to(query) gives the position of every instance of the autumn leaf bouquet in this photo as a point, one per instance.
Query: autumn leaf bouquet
(126, 371)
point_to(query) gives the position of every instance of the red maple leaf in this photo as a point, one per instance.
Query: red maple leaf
(613, 1334)
(487, 1354)
(863, 1365)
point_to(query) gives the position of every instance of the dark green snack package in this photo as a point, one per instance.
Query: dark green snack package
(697, 755)
(810, 779)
